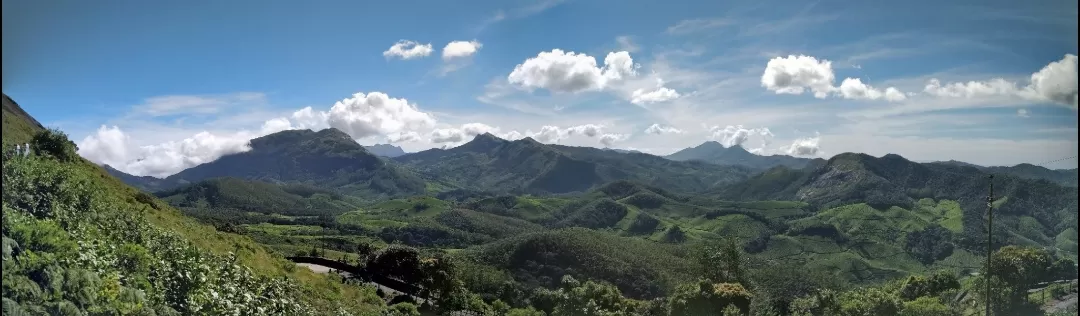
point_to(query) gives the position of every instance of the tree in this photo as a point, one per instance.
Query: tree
(722, 262)
(707, 298)
(919, 286)
(396, 261)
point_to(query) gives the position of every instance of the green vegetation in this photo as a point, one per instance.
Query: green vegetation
(78, 241)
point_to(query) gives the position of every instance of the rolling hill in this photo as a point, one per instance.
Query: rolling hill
(1021, 205)
(489, 163)
(714, 152)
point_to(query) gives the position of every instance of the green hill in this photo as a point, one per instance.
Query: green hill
(77, 240)
(892, 181)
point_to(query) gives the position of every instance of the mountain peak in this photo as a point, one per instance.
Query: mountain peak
(385, 150)
(483, 143)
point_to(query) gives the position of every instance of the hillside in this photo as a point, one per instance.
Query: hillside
(714, 152)
(77, 240)
(489, 163)
(1022, 206)
(328, 158)
(19, 126)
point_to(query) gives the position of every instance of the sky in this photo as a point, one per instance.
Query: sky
(154, 87)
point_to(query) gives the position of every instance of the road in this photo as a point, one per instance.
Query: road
(391, 292)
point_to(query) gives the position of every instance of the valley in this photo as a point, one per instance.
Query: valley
(522, 221)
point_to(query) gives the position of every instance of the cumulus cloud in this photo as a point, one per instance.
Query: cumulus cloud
(107, 146)
(1057, 82)
(854, 88)
(971, 89)
(737, 135)
(457, 49)
(797, 74)
(406, 49)
(609, 139)
(807, 146)
(110, 146)
(569, 72)
(1022, 113)
(660, 94)
(553, 134)
(376, 113)
(1054, 83)
(657, 129)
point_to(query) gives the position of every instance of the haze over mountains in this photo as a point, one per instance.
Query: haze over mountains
(330, 158)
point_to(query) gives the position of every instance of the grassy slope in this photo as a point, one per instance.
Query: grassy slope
(322, 291)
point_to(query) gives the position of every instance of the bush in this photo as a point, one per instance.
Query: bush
(926, 306)
(54, 144)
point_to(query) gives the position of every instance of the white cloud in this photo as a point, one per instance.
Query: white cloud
(569, 72)
(661, 94)
(657, 129)
(1054, 83)
(808, 146)
(1057, 82)
(1022, 113)
(854, 88)
(376, 114)
(406, 49)
(110, 146)
(554, 134)
(971, 89)
(609, 139)
(196, 104)
(737, 135)
(107, 146)
(457, 49)
(795, 74)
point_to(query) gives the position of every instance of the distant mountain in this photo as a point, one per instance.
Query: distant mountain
(145, 183)
(328, 158)
(1027, 171)
(385, 150)
(714, 152)
(492, 164)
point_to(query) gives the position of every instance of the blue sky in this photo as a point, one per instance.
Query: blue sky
(153, 87)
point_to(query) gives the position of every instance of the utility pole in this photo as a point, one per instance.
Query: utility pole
(989, 239)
